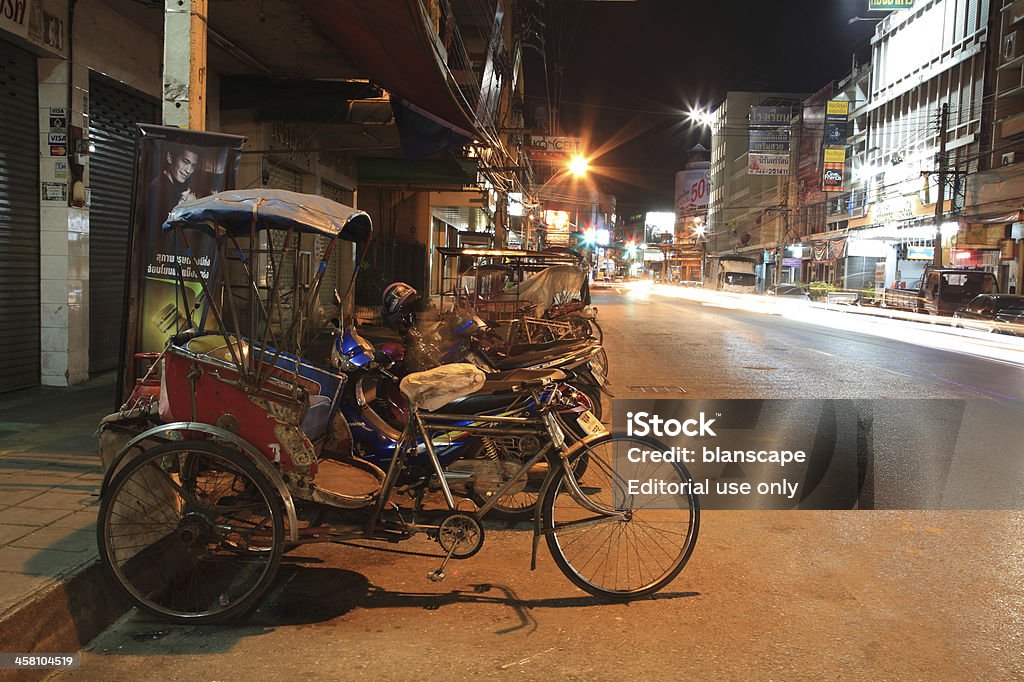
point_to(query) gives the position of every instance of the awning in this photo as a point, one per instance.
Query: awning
(391, 41)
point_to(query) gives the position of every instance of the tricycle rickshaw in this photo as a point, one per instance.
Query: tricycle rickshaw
(245, 449)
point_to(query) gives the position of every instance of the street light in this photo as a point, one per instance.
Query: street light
(579, 166)
(856, 19)
(701, 117)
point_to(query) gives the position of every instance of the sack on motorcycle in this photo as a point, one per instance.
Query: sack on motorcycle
(437, 387)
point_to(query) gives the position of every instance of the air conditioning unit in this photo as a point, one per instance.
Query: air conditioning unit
(1008, 158)
(1010, 47)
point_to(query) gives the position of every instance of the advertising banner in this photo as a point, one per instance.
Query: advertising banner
(768, 164)
(172, 165)
(833, 170)
(693, 188)
(836, 123)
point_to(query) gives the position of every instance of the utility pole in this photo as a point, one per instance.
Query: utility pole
(941, 199)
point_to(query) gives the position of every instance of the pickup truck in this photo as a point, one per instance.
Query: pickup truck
(942, 291)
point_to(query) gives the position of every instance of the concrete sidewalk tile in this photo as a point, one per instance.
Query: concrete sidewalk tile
(57, 500)
(59, 539)
(18, 495)
(16, 588)
(23, 516)
(9, 534)
(49, 562)
(43, 478)
(79, 520)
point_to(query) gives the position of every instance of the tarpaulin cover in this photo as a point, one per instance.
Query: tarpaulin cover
(437, 387)
(546, 285)
(274, 209)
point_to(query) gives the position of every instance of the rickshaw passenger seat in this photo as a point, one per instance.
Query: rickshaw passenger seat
(317, 417)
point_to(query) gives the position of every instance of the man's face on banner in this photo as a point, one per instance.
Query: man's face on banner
(182, 165)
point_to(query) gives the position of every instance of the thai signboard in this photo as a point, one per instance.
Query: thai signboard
(836, 123)
(769, 140)
(889, 5)
(833, 170)
(767, 164)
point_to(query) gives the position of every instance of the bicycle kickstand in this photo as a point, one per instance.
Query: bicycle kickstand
(439, 575)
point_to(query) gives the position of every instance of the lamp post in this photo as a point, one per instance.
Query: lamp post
(578, 167)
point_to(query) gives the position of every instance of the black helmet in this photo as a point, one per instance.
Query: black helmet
(397, 303)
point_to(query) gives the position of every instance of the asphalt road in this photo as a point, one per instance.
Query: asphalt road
(767, 594)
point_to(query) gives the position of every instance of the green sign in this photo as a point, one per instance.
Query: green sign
(886, 5)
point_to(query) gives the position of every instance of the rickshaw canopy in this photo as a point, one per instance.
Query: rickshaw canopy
(273, 209)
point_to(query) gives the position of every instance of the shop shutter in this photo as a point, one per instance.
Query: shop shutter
(113, 113)
(19, 220)
(342, 249)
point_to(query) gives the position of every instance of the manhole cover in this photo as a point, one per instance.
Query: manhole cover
(656, 389)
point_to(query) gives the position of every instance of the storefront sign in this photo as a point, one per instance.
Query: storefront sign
(836, 123)
(549, 147)
(40, 22)
(791, 262)
(833, 170)
(767, 164)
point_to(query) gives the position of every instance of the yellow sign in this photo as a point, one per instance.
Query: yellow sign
(841, 108)
(835, 156)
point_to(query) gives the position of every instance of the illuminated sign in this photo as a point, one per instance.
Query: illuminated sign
(888, 5)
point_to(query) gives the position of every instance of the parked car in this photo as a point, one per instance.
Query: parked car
(789, 291)
(1001, 313)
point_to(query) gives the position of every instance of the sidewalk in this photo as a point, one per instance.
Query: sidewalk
(53, 598)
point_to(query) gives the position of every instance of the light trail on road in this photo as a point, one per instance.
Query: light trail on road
(886, 324)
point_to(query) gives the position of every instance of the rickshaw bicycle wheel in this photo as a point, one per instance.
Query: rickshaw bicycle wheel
(195, 543)
(639, 550)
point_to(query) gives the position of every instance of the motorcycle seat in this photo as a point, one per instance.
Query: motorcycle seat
(533, 358)
(561, 345)
(501, 382)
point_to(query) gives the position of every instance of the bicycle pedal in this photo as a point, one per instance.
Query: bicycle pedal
(436, 576)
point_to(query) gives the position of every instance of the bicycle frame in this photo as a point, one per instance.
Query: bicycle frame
(547, 423)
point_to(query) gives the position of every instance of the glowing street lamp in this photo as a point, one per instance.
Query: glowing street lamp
(701, 117)
(579, 166)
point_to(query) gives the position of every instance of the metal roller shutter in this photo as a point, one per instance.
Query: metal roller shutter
(342, 250)
(113, 113)
(19, 219)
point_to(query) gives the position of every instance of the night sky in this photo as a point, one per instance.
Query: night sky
(631, 70)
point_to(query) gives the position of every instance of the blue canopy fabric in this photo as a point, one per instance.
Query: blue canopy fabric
(273, 209)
